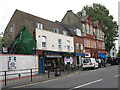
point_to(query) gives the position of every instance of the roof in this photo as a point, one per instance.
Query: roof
(96, 22)
(67, 27)
(83, 18)
(47, 24)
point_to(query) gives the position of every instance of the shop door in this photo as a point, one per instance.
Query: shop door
(40, 66)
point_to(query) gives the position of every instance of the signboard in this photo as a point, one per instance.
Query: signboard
(12, 63)
(87, 54)
(70, 59)
(53, 56)
(4, 50)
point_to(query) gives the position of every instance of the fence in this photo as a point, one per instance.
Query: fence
(19, 77)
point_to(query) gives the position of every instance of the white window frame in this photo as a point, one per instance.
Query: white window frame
(65, 33)
(91, 30)
(39, 26)
(11, 28)
(59, 44)
(77, 46)
(43, 41)
(68, 45)
(56, 30)
(87, 28)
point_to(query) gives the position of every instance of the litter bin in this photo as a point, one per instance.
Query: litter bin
(57, 72)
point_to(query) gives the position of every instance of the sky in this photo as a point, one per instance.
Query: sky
(50, 9)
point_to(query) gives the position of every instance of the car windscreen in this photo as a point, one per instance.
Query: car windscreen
(87, 61)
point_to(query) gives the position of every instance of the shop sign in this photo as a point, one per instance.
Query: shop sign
(87, 54)
(68, 59)
(12, 63)
(4, 50)
(53, 56)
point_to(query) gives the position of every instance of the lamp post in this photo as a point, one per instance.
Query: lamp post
(1, 34)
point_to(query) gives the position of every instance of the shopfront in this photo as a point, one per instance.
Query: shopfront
(79, 58)
(53, 60)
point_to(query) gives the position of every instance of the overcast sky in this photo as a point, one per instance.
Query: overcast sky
(50, 9)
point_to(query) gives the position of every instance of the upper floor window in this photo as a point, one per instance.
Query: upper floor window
(78, 32)
(87, 28)
(59, 43)
(84, 42)
(77, 46)
(43, 41)
(56, 30)
(83, 28)
(91, 30)
(64, 33)
(68, 45)
(81, 46)
(98, 32)
(11, 29)
(39, 26)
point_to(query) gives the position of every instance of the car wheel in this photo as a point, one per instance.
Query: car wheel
(94, 68)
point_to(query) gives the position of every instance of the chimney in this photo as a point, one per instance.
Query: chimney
(83, 13)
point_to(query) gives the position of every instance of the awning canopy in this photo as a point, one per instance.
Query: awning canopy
(79, 54)
(101, 55)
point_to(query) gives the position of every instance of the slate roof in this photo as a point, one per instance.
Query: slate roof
(47, 24)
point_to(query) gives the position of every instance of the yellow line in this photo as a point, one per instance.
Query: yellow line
(44, 81)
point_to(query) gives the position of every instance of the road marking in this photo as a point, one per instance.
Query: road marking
(87, 84)
(44, 81)
(117, 75)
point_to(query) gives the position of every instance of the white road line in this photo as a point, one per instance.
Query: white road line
(87, 84)
(117, 75)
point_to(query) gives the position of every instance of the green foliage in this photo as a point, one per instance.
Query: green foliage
(110, 27)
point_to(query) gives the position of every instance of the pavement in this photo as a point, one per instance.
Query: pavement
(64, 75)
(36, 78)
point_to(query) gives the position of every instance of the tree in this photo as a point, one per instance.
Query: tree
(110, 27)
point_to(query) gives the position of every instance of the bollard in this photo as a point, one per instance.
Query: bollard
(48, 73)
(31, 75)
(19, 75)
(5, 78)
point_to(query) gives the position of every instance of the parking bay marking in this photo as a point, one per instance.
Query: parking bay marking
(87, 84)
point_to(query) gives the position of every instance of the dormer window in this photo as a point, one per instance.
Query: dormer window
(11, 29)
(56, 30)
(39, 26)
(78, 32)
(64, 33)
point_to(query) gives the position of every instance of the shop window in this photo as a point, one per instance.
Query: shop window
(43, 41)
(78, 60)
(59, 43)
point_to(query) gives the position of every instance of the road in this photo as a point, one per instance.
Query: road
(106, 77)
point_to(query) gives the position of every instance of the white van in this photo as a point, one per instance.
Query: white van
(89, 63)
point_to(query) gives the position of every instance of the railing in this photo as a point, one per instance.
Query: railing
(18, 77)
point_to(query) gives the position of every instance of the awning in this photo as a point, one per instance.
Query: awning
(79, 54)
(101, 55)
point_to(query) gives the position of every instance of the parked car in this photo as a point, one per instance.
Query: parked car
(100, 62)
(118, 58)
(89, 63)
(114, 61)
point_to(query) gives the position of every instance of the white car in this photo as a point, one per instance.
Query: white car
(89, 63)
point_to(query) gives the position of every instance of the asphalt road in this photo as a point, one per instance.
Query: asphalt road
(99, 78)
